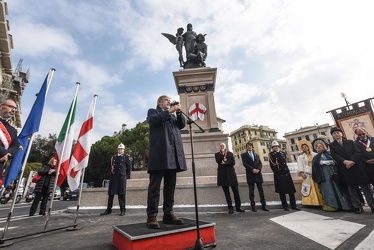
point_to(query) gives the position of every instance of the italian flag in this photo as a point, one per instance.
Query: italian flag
(64, 144)
(79, 159)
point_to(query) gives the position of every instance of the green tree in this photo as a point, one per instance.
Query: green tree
(43, 148)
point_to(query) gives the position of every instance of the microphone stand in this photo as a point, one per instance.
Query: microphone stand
(199, 243)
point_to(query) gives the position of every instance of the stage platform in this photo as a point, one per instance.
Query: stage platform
(138, 236)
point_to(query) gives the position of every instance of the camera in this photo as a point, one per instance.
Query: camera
(174, 103)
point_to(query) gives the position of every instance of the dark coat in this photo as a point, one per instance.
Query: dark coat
(46, 179)
(165, 141)
(226, 175)
(120, 169)
(365, 156)
(249, 165)
(13, 146)
(282, 177)
(349, 151)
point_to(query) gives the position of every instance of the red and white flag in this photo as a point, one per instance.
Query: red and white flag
(79, 159)
(65, 142)
(197, 110)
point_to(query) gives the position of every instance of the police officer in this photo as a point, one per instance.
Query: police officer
(120, 169)
(282, 177)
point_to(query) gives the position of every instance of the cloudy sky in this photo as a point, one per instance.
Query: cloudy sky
(279, 63)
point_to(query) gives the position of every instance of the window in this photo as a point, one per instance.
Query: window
(266, 158)
(255, 132)
(263, 151)
(307, 138)
(262, 143)
(292, 141)
(236, 143)
(292, 148)
(315, 136)
(323, 133)
(240, 141)
(294, 157)
(299, 138)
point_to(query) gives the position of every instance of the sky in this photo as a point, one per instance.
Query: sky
(281, 64)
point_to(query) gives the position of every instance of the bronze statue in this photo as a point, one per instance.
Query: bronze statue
(196, 49)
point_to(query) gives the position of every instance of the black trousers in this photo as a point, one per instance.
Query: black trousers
(121, 202)
(260, 189)
(38, 196)
(282, 197)
(235, 190)
(170, 180)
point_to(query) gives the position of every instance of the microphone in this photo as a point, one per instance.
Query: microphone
(173, 103)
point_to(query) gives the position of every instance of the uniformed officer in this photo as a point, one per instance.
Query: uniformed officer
(282, 177)
(120, 169)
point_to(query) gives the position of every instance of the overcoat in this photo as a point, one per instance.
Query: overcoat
(226, 175)
(46, 179)
(367, 155)
(349, 151)
(120, 169)
(165, 141)
(249, 165)
(282, 177)
(13, 145)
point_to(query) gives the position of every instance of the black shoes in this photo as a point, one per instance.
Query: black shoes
(231, 210)
(42, 213)
(286, 209)
(152, 223)
(240, 210)
(265, 208)
(122, 213)
(372, 209)
(172, 219)
(296, 208)
(106, 212)
(254, 209)
(359, 210)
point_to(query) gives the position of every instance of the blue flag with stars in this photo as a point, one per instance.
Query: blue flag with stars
(31, 126)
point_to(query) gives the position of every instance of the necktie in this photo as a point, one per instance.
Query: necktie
(251, 155)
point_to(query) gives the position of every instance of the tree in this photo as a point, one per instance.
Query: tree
(43, 148)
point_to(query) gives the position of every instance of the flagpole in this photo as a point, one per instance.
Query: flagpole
(62, 153)
(81, 185)
(49, 79)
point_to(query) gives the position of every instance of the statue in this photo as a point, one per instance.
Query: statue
(196, 49)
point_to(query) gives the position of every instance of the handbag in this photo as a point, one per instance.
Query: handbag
(36, 178)
(305, 187)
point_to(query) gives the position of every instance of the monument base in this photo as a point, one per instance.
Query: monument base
(138, 236)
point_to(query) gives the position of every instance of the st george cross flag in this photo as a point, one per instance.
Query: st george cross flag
(65, 138)
(79, 159)
(31, 126)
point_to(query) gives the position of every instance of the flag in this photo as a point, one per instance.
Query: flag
(79, 159)
(31, 126)
(64, 144)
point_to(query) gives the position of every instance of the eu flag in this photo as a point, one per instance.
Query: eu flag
(31, 126)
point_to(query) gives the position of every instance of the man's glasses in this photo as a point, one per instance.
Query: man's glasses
(10, 106)
(363, 134)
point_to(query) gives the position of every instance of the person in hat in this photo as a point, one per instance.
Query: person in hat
(120, 169)
(335, 197)
(350, 169)
(282, 177)
(311, 196)
(365, 144)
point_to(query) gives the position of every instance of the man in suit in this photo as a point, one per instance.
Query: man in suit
(350, 169)
(253, 166)
(119, 170)
(226, 177)
(8, 134)
(365, 144)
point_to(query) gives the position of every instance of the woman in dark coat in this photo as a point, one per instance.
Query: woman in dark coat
(44, 187)
(226, 177)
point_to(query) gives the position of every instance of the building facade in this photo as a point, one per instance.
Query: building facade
(309, 133)
(260, 136)
(12, 82)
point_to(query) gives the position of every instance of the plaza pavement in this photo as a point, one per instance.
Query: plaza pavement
(310, 228)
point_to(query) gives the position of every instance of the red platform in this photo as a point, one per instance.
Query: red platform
(139, 237)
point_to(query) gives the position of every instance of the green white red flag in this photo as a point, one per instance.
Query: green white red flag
(79, 159)
(65, 142)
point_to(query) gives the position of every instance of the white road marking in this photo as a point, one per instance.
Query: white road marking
(321, 229)
(367, 243)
